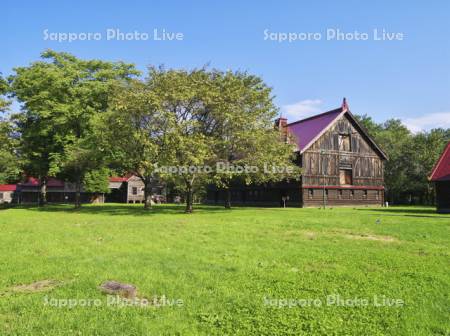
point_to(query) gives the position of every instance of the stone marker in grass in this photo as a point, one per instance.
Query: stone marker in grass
(116, 288)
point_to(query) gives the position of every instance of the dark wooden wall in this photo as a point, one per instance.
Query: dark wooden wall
(314, 197)
(258, 195)
(365, 162)
(443, 196)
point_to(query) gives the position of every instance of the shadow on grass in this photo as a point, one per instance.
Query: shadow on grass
(409, 212)
(126, 209)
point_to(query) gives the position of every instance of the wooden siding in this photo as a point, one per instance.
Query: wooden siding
(135, 182)
(342, 197)
(258, 195)
(6, 196)
(324, 159)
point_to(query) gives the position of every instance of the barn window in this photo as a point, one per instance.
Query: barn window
(340, 193)
(345, 144)
(378, 194)
(1, 196)
(365, 194)
(310, 193)
(352, 193)
(134, 191)
(345, 176)
(326, 192)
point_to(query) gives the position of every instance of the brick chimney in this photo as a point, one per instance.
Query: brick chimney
(281, 125)
(344, 105)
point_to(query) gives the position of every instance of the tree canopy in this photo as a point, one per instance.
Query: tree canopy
(61, 95)
(411, 159)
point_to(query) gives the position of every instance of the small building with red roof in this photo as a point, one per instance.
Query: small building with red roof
(440, 175)
(7, 192)
(123, 189)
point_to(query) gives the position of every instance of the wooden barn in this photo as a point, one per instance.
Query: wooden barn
(341, 166)
(441, 178)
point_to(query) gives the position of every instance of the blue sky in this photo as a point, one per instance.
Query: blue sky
(407, 79)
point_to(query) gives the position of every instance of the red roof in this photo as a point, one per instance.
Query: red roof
(308, 130)
(441, 170)
(118, 179)
(8, 187)
(121, 178)
(51, 182)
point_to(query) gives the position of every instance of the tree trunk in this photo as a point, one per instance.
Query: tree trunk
(78, 193)
(227, 198)
(43, 192)
(147, 195)
(189, 198)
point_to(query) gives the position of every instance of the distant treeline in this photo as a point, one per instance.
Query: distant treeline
(411, 159)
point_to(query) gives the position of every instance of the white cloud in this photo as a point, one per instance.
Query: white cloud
(428, 121)
(302, 109)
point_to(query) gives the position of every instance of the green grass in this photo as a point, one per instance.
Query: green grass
(223, 264)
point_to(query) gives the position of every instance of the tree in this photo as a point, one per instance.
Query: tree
(423, 152)
(4, 87)
(411, 159)
(10, 168)
(186, 96)
(60, 97)
(217, 117)
(135, 132)
(244, 134)
(97, 181)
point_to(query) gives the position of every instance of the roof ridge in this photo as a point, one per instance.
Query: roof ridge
(336, 110)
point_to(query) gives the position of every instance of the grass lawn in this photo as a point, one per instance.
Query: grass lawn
(246, 271)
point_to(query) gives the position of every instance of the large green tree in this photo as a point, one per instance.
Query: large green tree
(61, 94)
(244, 136)
(134, 133)
(212, 117)
(185, 100)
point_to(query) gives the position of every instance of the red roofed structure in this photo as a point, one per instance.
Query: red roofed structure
(123, 189)
(7, 192)
(8, 187)
(118, 179)
(440, 175)
(51, 182)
